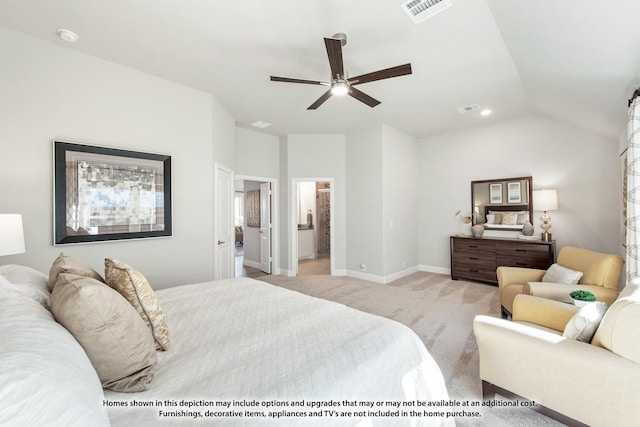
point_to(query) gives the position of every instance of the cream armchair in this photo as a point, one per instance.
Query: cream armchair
(601, 274)
(576, 383)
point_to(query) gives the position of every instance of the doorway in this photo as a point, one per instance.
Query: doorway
(314, 233)
(255, 226)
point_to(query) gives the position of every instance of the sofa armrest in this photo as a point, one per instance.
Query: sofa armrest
(544, 312)
(561, 291)
(511, 275)
(580, 380)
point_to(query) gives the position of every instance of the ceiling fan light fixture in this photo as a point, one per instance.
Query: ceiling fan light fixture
(340, 88)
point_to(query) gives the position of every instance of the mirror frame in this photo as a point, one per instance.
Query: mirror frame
(502, 205)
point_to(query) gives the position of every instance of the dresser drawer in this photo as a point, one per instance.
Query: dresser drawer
(523, 250)
(475, 258)
(474, 272)
(474, 245)
(524, 255)
(524, 262)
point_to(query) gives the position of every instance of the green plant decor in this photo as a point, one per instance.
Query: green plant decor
(581, 295)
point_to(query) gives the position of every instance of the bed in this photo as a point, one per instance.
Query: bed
(242, 342)
(505, 217)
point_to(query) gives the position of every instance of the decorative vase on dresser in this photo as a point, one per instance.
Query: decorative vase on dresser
(478, 258)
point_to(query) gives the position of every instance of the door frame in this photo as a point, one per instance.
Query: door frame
(275, 218)
(293, 210)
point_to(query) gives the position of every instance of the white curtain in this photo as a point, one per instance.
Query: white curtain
(633, 192)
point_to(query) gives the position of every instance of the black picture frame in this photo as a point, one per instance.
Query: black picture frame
(103, 194)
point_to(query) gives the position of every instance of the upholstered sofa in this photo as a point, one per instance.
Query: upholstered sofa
(600, 275)
(596, 383)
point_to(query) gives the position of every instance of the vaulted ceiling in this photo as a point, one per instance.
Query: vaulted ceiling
(576, 61)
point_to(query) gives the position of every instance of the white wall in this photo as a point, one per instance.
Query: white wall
(581, 165)
(48, 92)
(400, 205)
(364, 204)
(308, 157)
(257, 154)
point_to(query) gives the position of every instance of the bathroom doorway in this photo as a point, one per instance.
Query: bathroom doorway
(314, 227)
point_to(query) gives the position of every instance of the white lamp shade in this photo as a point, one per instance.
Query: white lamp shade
(545, 200)
(11, 234)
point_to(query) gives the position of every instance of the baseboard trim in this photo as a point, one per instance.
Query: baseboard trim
(249, 263)
(434, 269)
(365, 276)
(376, 278)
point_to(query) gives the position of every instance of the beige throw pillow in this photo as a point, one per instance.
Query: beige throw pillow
(583, 325)
(109, 329)
(68, 264)
(559, 274)
(136, 289)
(509, 219)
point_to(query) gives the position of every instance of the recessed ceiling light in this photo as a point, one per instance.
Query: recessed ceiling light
(67, 35)
(260, 124)
(485, 112)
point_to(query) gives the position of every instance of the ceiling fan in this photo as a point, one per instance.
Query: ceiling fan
(340, 84)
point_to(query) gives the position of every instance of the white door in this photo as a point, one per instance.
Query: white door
(224, 231)
(265, 227)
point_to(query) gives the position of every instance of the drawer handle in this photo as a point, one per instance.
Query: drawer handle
(521, 250)
(474, 271)
(521, 264)
(473, 246)
(473, 258)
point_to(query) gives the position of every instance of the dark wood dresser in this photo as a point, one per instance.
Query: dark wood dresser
(478, 258)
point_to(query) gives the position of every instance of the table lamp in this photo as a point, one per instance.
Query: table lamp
(545, 200)
(11, 234)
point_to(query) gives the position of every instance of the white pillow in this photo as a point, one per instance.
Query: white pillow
(559, 274)
(584, 323)
(522, 218)
(46, 378)
(20, 280)
(491, 219)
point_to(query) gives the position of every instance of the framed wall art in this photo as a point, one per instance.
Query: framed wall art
(495, 191)
(103, 194)
(513, 192)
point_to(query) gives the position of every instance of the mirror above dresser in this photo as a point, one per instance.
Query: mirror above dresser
(502, 204)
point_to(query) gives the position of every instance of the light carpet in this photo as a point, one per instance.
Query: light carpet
(441, 312)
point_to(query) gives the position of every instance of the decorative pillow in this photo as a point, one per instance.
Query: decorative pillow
(46, 377)
(68, 264)
(498, 217)
(112, 334)
(136, 289)
(585, 322)
(20, 280)
(559, 274)
(491, 219)
(522, 218)
(509, 219)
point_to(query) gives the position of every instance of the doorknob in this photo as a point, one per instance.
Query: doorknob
(220, 242)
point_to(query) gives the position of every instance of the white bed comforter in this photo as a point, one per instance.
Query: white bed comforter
(242, 339)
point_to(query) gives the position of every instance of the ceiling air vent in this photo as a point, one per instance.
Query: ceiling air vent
(419, 10)
(468, 108)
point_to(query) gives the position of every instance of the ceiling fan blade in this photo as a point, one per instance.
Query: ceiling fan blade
(334, 52)
(387, 73)
(320, 100)
(290, 80)
(363, 97)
